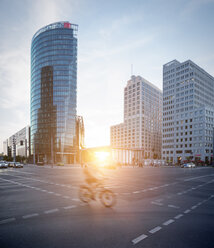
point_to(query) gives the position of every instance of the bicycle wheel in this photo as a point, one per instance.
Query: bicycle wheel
(108, 198)
(85, 193)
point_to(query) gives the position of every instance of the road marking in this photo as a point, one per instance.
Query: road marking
(7, 220)
(69, 207)
(166, 223)
(136, 192)
(51, 211)
(50, 192)
(138, 239)
(156, 229)
(193, 207)
(192, 178)
(30, 216)
(66, 197)
(173, 206)
(57, 194)
(21, 172)
(178, 216)
(187, 211)
(75, 199)
(157, 203)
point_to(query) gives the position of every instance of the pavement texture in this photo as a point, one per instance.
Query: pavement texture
(156, 207)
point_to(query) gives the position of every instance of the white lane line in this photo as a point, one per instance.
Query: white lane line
(193, 207)
(157, 203)
(179, 193)
(144, 190)
(155, 187)
(178, 216)
(136, 192)
(173, 206)
(51, 211)
(66, 197)
(57, 194)
(7, 220)
(192, 178)
(50, 192)
(30, 216)
(166, 223)
(75, 199)
(21, 172)
(187, 211)
(70, 207)
(138, 239)
(156, 229)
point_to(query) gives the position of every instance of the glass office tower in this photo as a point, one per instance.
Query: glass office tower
(53, 93)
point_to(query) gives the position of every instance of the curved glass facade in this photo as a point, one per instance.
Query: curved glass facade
(53, 92)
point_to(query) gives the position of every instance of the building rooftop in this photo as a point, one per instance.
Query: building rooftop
(55, 25)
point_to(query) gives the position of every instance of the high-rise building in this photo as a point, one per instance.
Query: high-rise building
(18, 143)
(53, 92)
(140, 136)
(188, 112)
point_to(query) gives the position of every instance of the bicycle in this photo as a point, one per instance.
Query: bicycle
(88, 193)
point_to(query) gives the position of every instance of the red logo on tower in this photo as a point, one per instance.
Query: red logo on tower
(67, 25)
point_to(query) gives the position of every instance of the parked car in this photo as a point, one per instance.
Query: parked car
(60, 164)
(3, 165)
(16, 165)
(10, 164)
(188, 165)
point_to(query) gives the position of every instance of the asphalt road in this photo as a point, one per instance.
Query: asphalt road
(156, 207)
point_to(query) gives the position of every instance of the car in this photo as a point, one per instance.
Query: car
(17, 165)
(188, 165)
(3, 165)
(60, 164)
(10, 164)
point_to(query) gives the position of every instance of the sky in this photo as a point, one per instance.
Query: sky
(112, 36)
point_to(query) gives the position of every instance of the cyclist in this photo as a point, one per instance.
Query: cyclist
(92, 174)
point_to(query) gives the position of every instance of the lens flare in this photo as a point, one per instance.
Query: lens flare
(102, 156)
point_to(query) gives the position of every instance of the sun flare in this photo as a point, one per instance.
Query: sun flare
(102, 156)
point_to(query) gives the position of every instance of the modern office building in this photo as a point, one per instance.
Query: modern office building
(18, 143)
(188, 112)
(53, 93)
(140, 135)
